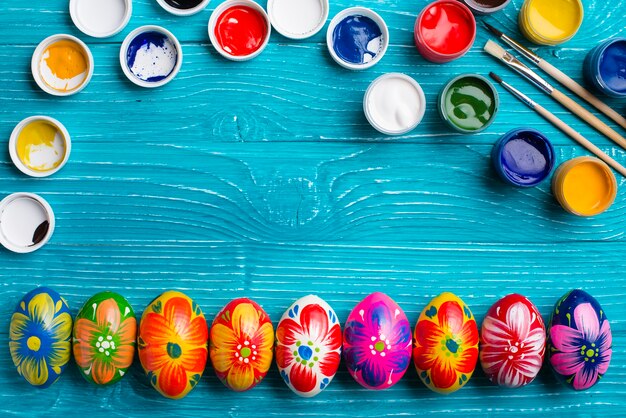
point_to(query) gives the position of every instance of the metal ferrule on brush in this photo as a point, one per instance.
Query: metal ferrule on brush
(521, 96)
(521, 49)
(515, 64)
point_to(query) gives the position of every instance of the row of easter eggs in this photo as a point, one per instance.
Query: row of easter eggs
(377, 342)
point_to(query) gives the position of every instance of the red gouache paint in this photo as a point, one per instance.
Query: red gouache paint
(445, 31)
(240, 30)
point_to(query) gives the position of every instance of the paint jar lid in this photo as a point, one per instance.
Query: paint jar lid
(40, 146)
(341, 44)
(77, 66)
(26, 222)
(298, 19)
(101, 18)
(394, 104)
(183, 7)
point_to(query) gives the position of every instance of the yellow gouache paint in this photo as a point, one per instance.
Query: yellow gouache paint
(551, 21)
(41, 146)
(64, 65)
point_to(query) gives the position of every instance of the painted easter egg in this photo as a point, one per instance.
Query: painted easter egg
(579, 340)
(104, 338)
(308, 346)
(40, 337)
(512, 342)
(377, 342)
(446, 344)
(242, 338)
(172, 344)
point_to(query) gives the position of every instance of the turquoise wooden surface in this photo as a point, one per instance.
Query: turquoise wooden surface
(263, 179)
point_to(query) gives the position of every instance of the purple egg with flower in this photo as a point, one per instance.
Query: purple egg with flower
(377, 342)
(579, 340)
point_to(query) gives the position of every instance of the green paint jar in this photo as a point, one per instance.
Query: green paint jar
(468, 103)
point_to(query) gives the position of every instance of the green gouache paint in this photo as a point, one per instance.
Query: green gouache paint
(468, 103)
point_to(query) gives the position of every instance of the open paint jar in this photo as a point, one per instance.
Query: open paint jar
(239, 29)
(183, 7)
(550, 22)
(62, 65)
(394, 104)
(584, 186)
(469, 103)
(523, 157)
(605, 67)
(151, 56)
(100, 18)
(357, 38)
(444, 31)
(40, 146)
(298, 19)
(26, 222)
(485, 7)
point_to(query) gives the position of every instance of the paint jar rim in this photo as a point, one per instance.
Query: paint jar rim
(353, 11)
(563, 171)
(593, 61)
(13, 146)
(534, 35)
(124, 49)
(446, 87)
(184, 12)
(11, 246)
(304, 35)
(34, 64)
(482, 10)
(369, 91)
(217, 13)
(88, 31)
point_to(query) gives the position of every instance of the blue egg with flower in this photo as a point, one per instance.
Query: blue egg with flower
(40, 337)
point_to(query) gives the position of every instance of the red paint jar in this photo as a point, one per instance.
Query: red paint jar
(444, 31)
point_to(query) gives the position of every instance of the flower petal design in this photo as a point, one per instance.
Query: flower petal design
(587, 321)
(314, 320)
(245, 320)
(518, 320)
(443, 374)
(302, 378)
(240, 376)
(173, 380)
(450, 317)
(288, 331)
(108, 315)
(585, 378)
(567, 364)
(566, 339)
(102, 372)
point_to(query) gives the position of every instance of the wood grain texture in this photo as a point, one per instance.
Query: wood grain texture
(263, 179)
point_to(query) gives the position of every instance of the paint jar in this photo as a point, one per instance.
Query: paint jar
(26, 222)
(469, 103)
(584, 186)
(62, 65)
(40, 146)
(605, 67)
(394, 104)
(151, 56)
(486, 7)
(101, 19)
(550, 22)
(444, 31)
(523, 157)
(362, 51)
(239, 29)
(298, 19)
(183, 7)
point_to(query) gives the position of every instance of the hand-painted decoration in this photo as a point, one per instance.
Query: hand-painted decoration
(308, 346)
(579, 340)
(40, 337)
(446, 344)
(104, 338)
(377, 342)
(172, 344)
(512, 342)
(242, 338)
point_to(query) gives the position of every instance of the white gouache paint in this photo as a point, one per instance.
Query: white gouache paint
(394, 104)
(297, 17)
(101, 17)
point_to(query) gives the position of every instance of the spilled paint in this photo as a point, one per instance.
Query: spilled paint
(41, 146)
(151, 56)
(357, 39)
(241, 30)
(64, 65)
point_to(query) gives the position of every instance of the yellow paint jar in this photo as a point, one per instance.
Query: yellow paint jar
(550, 22)
(584, 186)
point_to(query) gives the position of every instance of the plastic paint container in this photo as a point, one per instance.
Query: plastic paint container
(151, 56)
(485, 7)
(394, 104)
(584, 186)
(469, 103)
(239, 29)
(101, 18)
(40, 146)
(523, 157)
(444, 31)
(62, 65)
(605, 67)
(26, 222)
(357, 38)
(298, 19)
(182, 7)
(550, 22)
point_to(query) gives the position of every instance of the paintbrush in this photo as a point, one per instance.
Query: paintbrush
(560, 76)
(498, 52)
(561, 125)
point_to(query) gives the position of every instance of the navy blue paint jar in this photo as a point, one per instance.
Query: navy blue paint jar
(523, 157)
(605, 67)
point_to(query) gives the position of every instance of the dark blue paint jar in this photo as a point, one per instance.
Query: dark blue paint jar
(523, 157)
(605, 67)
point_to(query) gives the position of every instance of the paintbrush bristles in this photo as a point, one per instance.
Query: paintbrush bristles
(495, 50)
(493, 30)
(496, 77)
